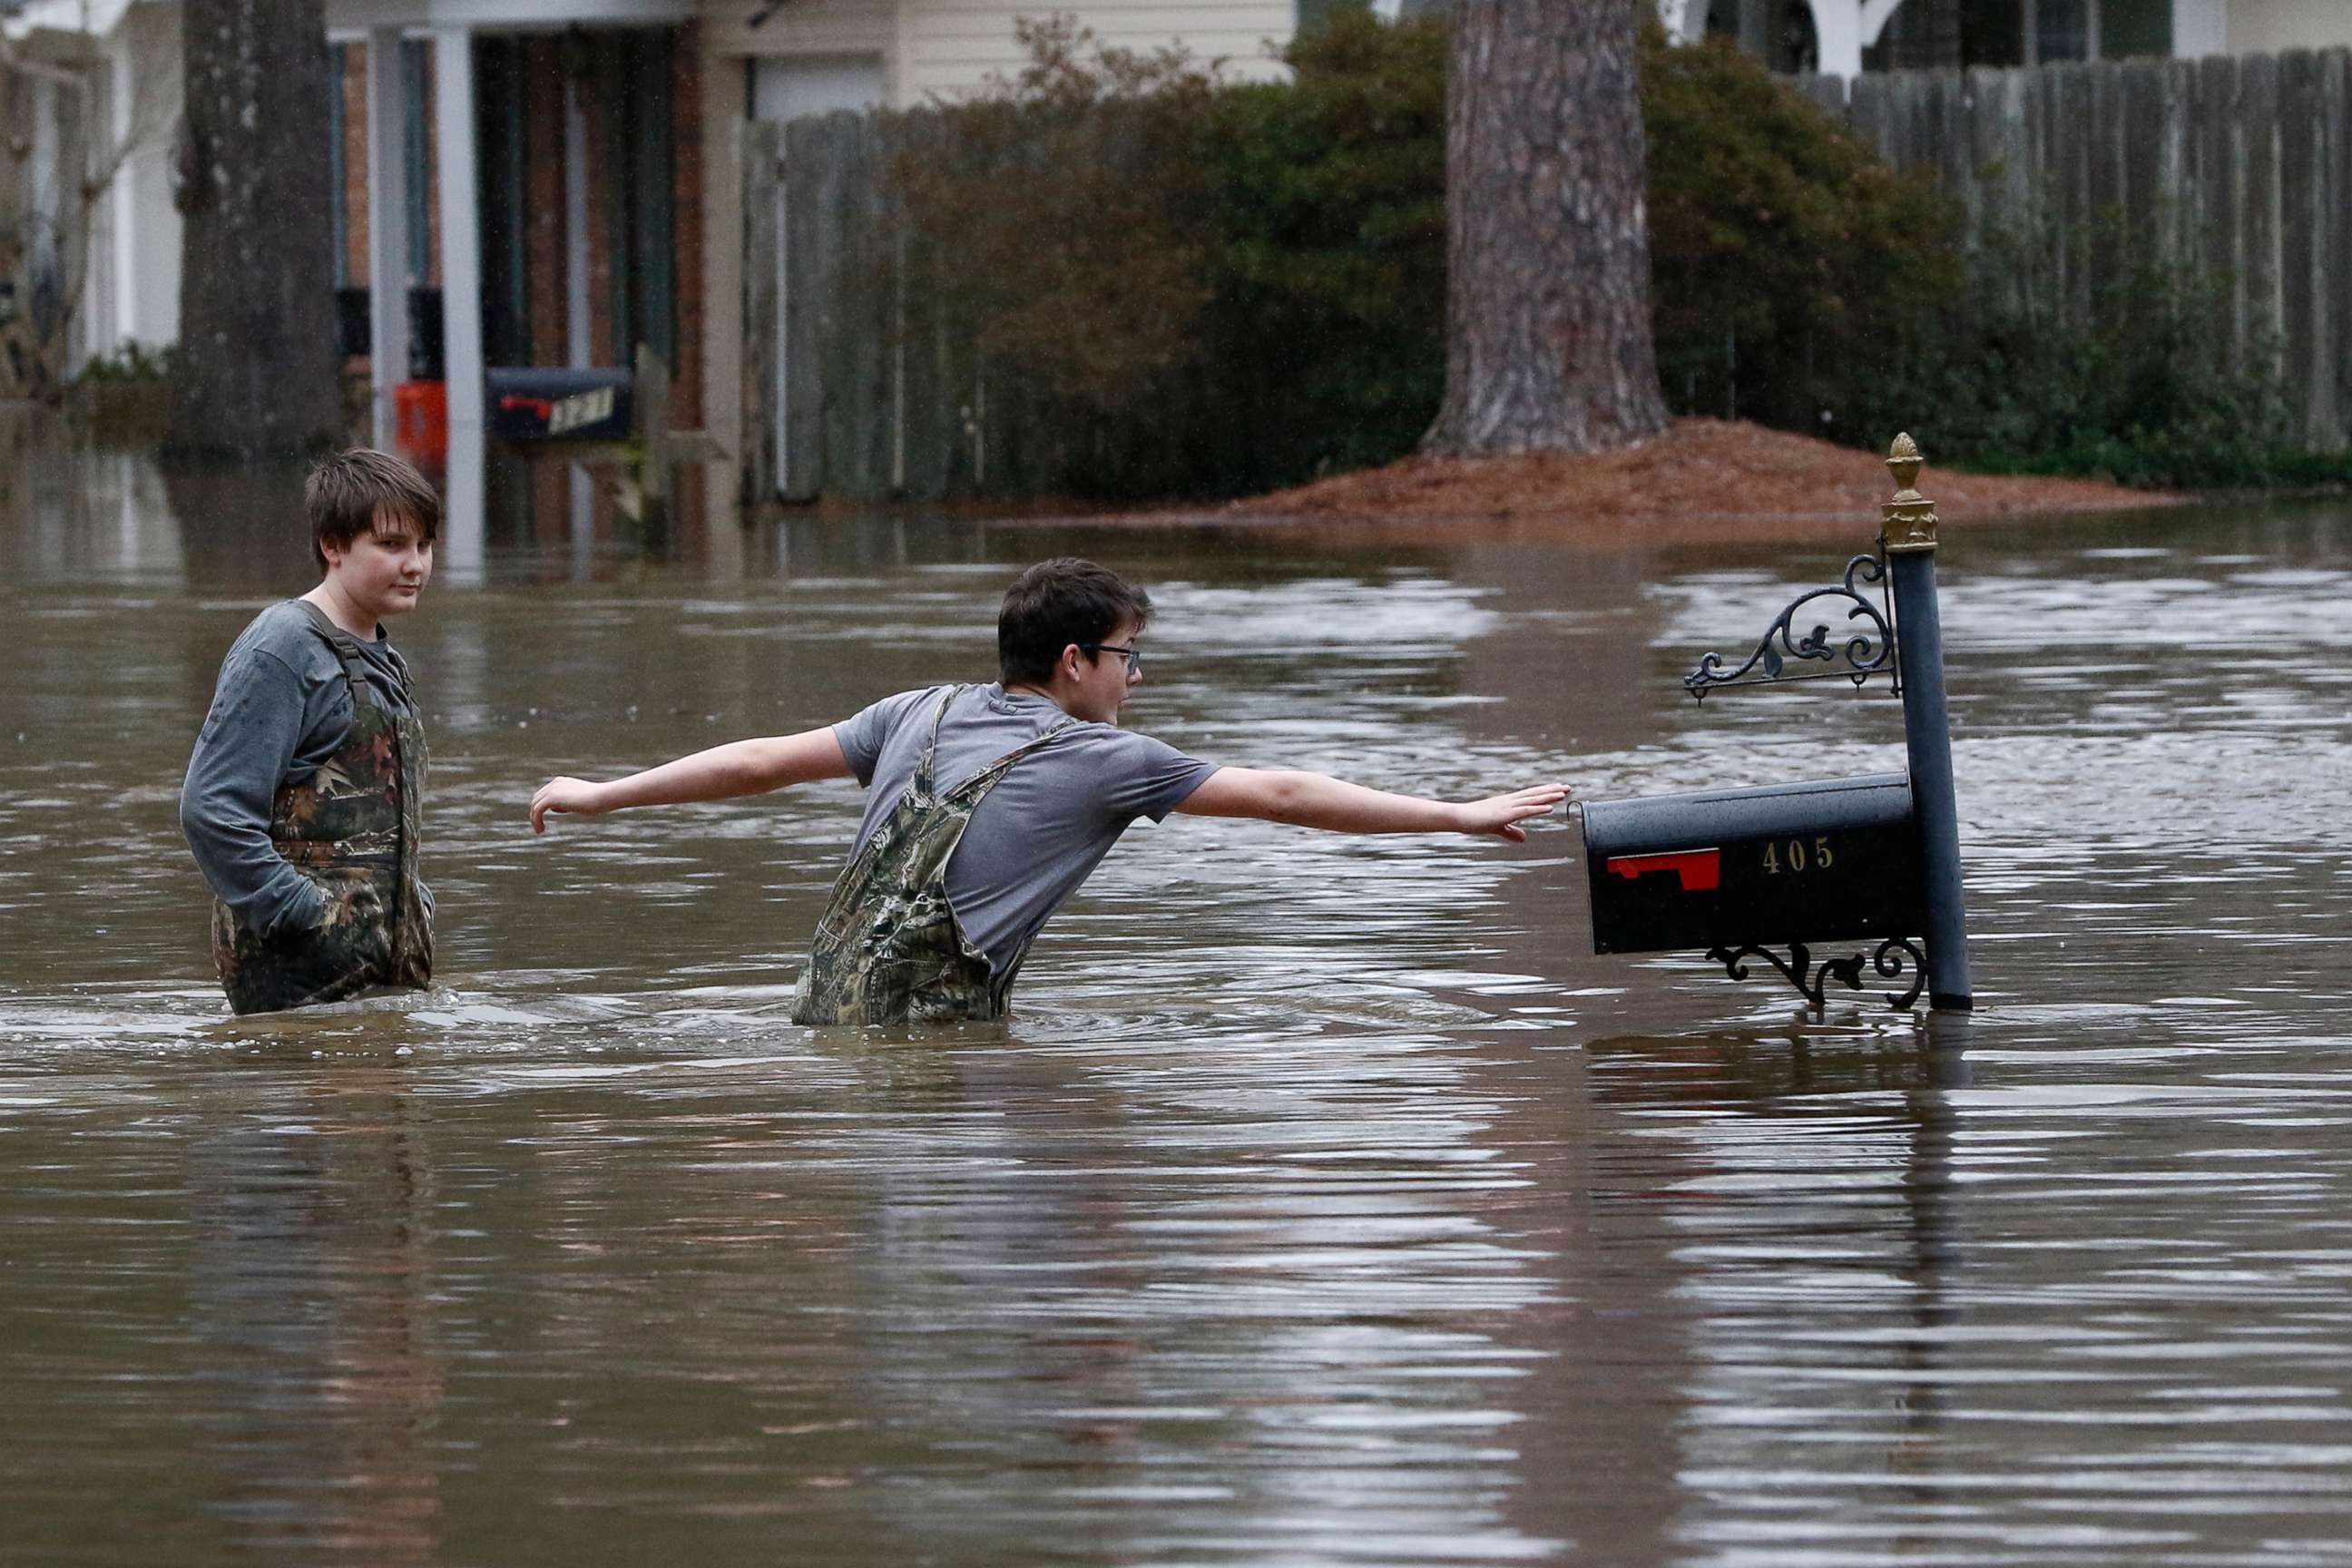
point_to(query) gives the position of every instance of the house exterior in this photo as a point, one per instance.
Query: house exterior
(797, 56)
(89, 98)
(529, 172)
(2258, 26)
(552, 182)
(1845, 38)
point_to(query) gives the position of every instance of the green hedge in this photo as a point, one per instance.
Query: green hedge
(1328, 212)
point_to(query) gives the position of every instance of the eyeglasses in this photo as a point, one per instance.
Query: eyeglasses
(1134, 656)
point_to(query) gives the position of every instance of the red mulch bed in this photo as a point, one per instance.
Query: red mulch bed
(1703, 480)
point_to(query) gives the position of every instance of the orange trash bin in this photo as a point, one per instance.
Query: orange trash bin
(421, 418)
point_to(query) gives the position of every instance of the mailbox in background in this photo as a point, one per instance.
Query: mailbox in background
(537, 403)
(1755, 867)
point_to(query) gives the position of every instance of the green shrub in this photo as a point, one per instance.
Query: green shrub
(130, 362)
(1082, 278)
(1788, 263)
(1202, 290)
(1328, 197)
(2138, 383)
(1800, 282)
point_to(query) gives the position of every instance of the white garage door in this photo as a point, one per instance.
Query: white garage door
(816, 84)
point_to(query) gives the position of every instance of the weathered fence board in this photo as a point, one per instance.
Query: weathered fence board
(2238, 168)
(2334, 198)
(762, 150)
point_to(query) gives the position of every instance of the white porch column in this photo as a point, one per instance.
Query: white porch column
(1683, 20)
(387, 184)
(123, 195)
(461, 291)
(579, 345)
(1837, 35)
(1844, 28)
(2200, 28)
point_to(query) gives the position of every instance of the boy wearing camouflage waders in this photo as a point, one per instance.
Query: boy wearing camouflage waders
(302, 798)
(988, 806)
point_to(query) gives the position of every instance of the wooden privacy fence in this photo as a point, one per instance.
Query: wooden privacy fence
(858, 384)
(863, 372)
(2237, 167)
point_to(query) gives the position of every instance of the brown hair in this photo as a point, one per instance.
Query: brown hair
(347, 492)
(1056, 603)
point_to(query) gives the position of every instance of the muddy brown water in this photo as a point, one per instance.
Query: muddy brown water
(1327, 1201)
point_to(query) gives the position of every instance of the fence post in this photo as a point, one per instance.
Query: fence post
(1909, 538)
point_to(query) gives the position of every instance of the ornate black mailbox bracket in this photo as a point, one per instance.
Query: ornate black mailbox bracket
(1869, 650)
(1893, 956)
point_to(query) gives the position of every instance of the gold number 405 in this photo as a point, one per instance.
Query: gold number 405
(1797, 856)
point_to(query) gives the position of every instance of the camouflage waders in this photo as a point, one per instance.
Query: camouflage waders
(889, 950)
(352, 829)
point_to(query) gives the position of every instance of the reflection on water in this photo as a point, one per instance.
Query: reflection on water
(1327, 1201)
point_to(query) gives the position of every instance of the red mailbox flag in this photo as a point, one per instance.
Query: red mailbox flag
(1701, 870)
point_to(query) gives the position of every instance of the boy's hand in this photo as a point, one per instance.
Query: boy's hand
(1501, 814)
(575, 796)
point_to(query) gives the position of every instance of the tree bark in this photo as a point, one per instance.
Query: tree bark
(1548, 246)
(258, 373)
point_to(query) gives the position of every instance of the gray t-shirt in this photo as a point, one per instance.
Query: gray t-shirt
(1047, 822)
(280, 709)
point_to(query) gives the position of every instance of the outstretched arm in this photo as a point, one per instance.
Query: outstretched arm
(1317, 800)
(722, 773)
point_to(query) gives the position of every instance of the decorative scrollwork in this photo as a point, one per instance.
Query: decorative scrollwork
(1869, 651)
(1889, 961)
(1812, 982)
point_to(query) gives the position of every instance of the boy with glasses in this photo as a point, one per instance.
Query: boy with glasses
(989, 806)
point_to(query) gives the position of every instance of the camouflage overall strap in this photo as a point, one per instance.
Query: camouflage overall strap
(925, 781)
(986, 779)
(355, 663)
(346, 647)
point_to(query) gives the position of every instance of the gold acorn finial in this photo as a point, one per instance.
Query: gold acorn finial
(1910, 516)
(1904, 459)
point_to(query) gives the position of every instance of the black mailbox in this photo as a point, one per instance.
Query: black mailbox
(553, 405)
(1776, 865)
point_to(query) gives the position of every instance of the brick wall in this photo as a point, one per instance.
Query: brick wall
(354, 196)
(357, 248)
(685, 388)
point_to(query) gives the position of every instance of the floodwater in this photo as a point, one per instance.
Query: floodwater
(1326, 1202)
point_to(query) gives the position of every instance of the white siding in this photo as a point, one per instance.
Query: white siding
(2200, 28)
(2266, 26)
(798, 28)
(146, 57)
(953, 47)
(793, 86)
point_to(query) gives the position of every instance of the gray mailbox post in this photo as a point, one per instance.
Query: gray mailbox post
(1877, 858)
(1909, 539)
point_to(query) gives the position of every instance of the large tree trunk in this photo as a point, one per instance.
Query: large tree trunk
(257, 374)
(1547, 246)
